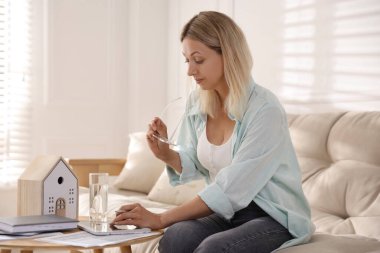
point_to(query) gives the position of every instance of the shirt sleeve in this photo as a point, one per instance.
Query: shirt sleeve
(255, 161)
(186, 149)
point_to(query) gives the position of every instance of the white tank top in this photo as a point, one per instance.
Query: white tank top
(214, 157)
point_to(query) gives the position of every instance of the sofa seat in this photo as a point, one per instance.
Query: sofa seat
(339, 157)
(327, 243)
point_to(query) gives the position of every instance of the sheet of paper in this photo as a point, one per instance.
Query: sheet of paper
(85, 239)
(4, 237)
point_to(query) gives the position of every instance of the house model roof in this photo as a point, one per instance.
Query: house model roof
(41, 166)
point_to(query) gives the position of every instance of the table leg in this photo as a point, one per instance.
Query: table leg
(126, 249)
(6, 251)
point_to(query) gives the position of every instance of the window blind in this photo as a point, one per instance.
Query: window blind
(331, 55)
(15, 94)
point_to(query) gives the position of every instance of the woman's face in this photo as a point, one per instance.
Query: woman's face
(204, 65)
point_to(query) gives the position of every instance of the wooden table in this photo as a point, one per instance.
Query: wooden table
(28, 245)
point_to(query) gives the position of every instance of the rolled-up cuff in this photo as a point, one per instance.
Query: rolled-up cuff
(188, 173)
(217, 200)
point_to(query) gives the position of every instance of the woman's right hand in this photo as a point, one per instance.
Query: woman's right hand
(160, 150)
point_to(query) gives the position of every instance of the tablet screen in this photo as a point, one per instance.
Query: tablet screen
(108, 229)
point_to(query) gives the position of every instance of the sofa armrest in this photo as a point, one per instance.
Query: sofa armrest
(82, 167)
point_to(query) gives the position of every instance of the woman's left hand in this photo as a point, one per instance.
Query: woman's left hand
(136, 214)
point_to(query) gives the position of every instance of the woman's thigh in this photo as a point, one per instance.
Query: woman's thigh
(185, 236)
(259, 235)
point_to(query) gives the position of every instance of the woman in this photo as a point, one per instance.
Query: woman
(235, 135)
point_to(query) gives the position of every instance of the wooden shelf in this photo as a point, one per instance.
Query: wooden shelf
(82, 167)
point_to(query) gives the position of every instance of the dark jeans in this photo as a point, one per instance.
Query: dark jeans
(250, 230)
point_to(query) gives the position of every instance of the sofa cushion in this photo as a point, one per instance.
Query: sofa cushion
(345, 190)
(340, 162)
(325, 243)
(163, 192)
(327, 223)
(309, 134)
(356, 136)
(140, 163)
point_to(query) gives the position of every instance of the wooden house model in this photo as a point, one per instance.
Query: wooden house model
(48, 186)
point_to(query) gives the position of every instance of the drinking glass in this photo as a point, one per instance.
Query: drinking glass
(98, 183)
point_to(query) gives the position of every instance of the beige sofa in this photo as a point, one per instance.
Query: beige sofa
(339, 155)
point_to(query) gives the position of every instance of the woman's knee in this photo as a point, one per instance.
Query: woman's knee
(260, 235)
(212, 244)
(179, 238)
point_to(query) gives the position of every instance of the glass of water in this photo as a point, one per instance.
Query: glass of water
(98, 183)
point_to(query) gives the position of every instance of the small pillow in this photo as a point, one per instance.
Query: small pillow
(142, 168)
(163, 192)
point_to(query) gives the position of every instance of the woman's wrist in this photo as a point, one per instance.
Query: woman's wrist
(166, 218)
(172, 159)
(164, 156)
(193, 209)
(163, 222)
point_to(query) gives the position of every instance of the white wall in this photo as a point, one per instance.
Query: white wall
(104, 68)
(101, 74)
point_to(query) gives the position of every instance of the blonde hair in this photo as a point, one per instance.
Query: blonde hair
(220, 33)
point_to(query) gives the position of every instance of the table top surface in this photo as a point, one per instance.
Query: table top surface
(30, 243)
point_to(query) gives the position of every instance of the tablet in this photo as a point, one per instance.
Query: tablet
(108, 229)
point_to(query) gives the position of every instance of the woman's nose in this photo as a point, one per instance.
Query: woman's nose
(190, 70)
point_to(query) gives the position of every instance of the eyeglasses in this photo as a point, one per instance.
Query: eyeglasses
(162, 138)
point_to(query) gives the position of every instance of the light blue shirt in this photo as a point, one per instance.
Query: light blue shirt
(264, 166)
